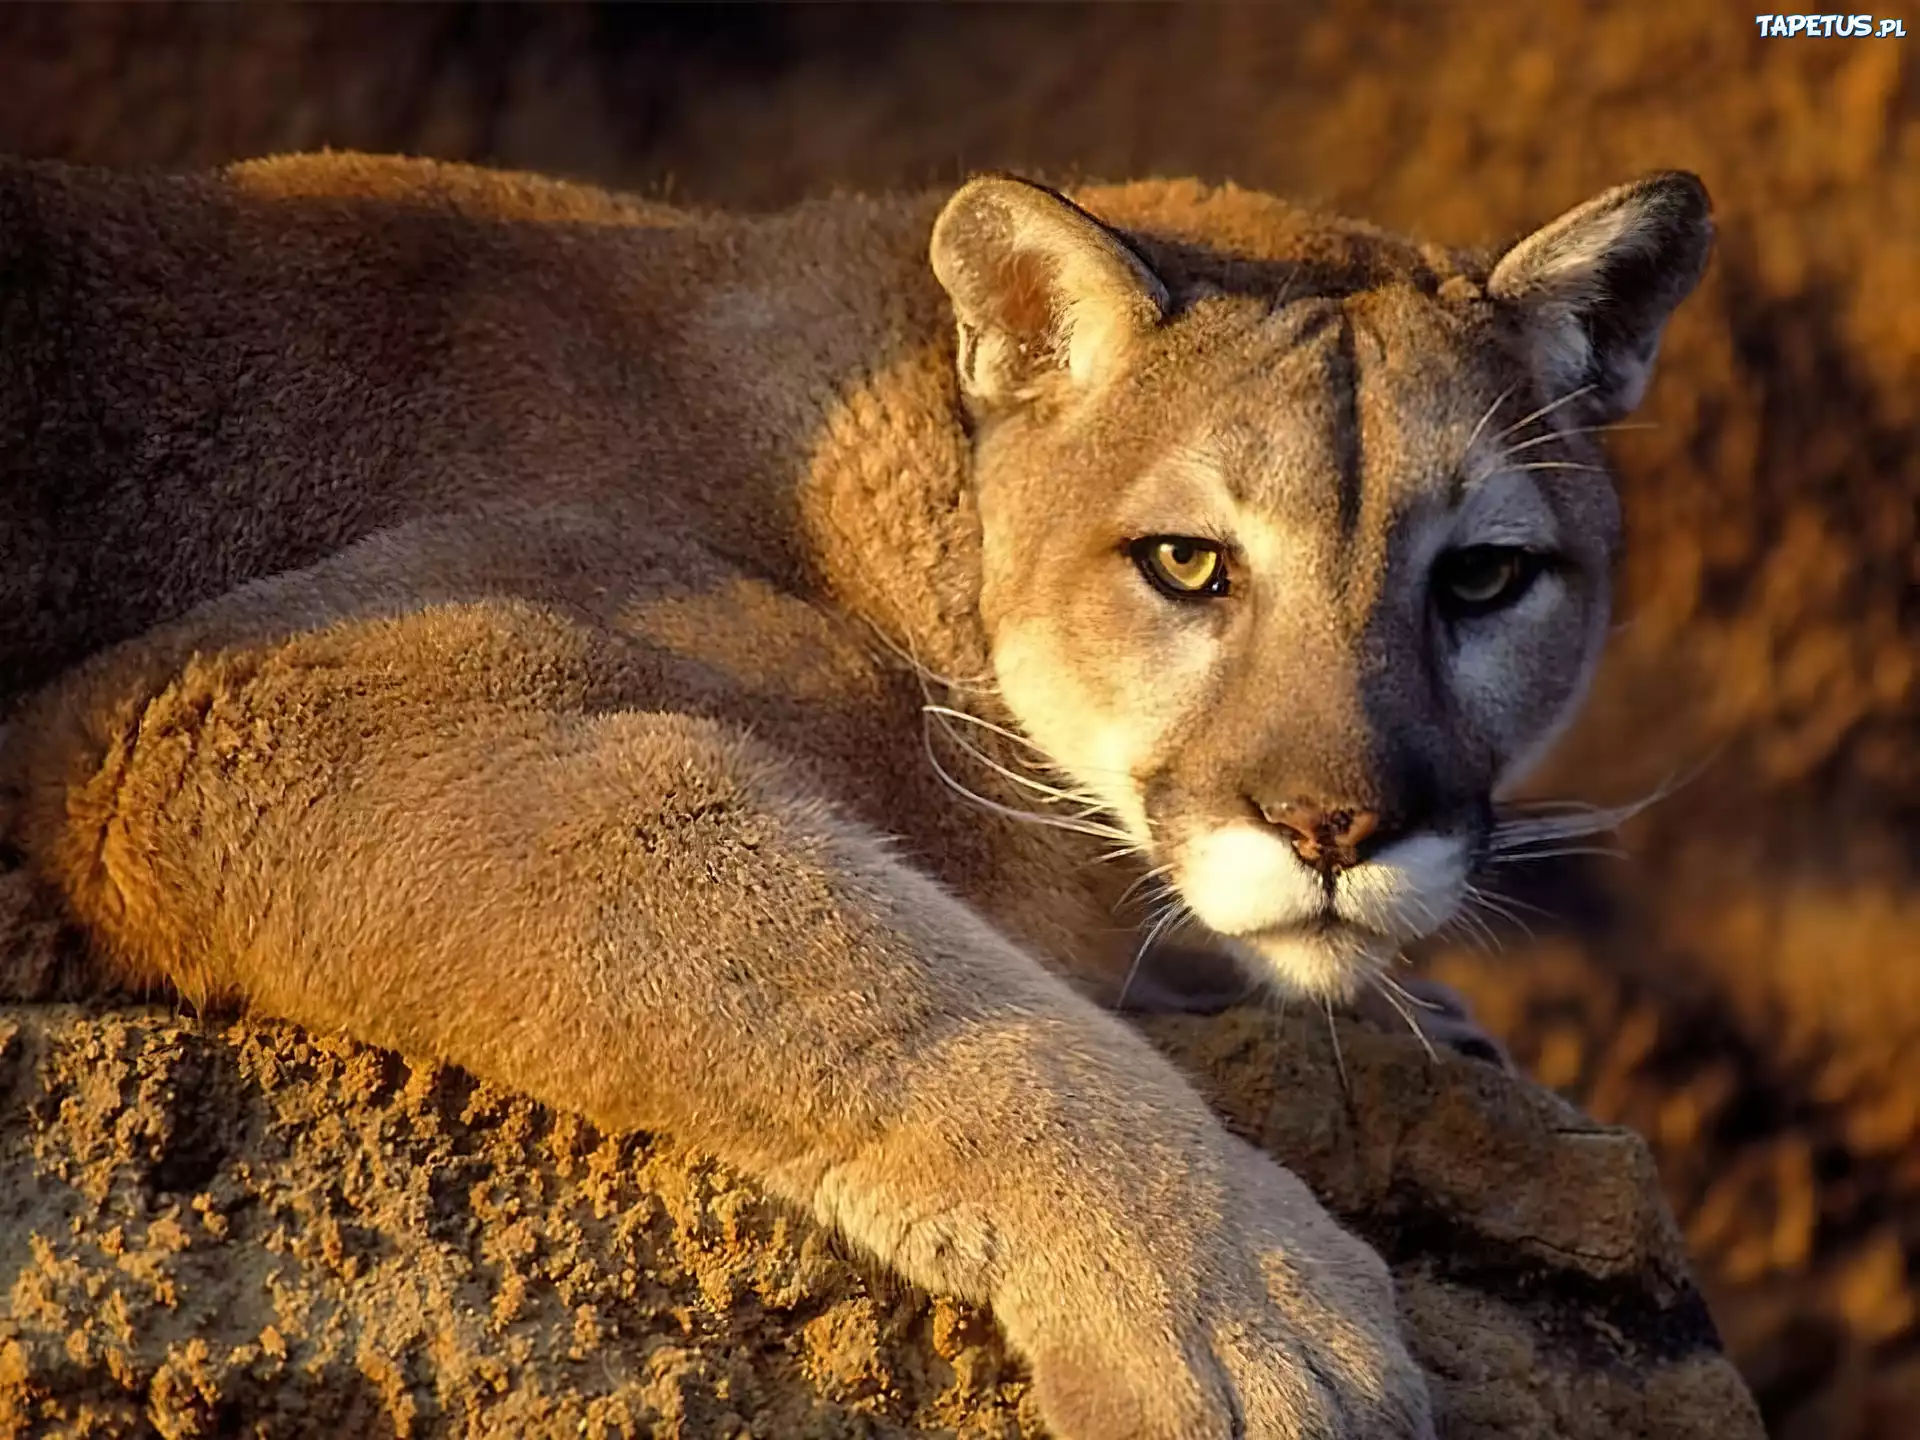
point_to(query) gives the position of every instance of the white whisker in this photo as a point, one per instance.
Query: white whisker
(1405, 1014)
(1024, 741)
(1473, 928)
(1486, 415)
(1577, 820)
(1150, 877)
(1521, 857)
(1171, 914)
(1553, 435)
(1001, 730)
(1544, 411)
(1431, 1006)
(1505, 469)
(1040, 787)
(1339, 1060)
(982, 684)
(932, 714)
(1496, 906)
(1056, 822)
(1517, 903)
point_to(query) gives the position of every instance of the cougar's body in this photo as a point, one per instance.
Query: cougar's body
(627, 652)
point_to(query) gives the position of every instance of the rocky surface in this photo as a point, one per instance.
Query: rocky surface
(217, 1228)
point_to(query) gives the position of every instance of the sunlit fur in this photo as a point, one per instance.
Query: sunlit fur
(495, 680)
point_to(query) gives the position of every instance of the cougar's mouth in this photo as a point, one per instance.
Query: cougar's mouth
(1329, 921)
(1310, 931)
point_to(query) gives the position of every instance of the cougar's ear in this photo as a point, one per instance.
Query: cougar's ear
(1596, 286)
(1042, 290)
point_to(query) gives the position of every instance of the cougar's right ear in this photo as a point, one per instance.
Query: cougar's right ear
(1043, 292)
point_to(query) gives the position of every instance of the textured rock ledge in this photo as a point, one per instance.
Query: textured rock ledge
(212, 1228)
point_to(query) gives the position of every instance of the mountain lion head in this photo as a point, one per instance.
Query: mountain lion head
(1294, 556)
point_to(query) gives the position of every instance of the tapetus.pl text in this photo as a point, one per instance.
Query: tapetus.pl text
(1861, 27)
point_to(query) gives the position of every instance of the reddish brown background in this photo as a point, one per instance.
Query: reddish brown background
(1747, 989)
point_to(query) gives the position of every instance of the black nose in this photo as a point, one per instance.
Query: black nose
(1328, 837)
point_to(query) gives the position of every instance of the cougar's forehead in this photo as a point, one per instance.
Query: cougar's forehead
(1321, 427)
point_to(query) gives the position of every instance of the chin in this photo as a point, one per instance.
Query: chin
(1288, 927)
(1328, 960)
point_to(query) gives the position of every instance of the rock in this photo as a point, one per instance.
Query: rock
(221, 1228)
(1542, 1277)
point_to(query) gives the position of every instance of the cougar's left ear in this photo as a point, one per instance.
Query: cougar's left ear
(1043, 292)
(1596, 286)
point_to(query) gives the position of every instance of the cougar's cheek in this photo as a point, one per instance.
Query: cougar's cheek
(1408, 890)
(1241, 878)
(1063, 714)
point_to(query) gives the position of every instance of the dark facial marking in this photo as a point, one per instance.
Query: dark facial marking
(1343, 383)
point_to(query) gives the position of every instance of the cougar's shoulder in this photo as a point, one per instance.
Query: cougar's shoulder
(223, 375)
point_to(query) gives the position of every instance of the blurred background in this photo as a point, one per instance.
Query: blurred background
(1745, 988)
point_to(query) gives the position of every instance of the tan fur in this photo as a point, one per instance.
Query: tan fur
(529, 597)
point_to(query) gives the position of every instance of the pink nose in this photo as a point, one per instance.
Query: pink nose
(1329, 839)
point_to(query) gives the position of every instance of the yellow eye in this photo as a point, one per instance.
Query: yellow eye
(1482, 578)
(1181, 565)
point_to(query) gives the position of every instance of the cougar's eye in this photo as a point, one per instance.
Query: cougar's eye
(1478, 579)
(1181, 565)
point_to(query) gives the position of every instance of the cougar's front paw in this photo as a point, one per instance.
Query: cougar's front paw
(1262, 1320)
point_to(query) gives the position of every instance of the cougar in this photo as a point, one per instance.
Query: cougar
(754, 678)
